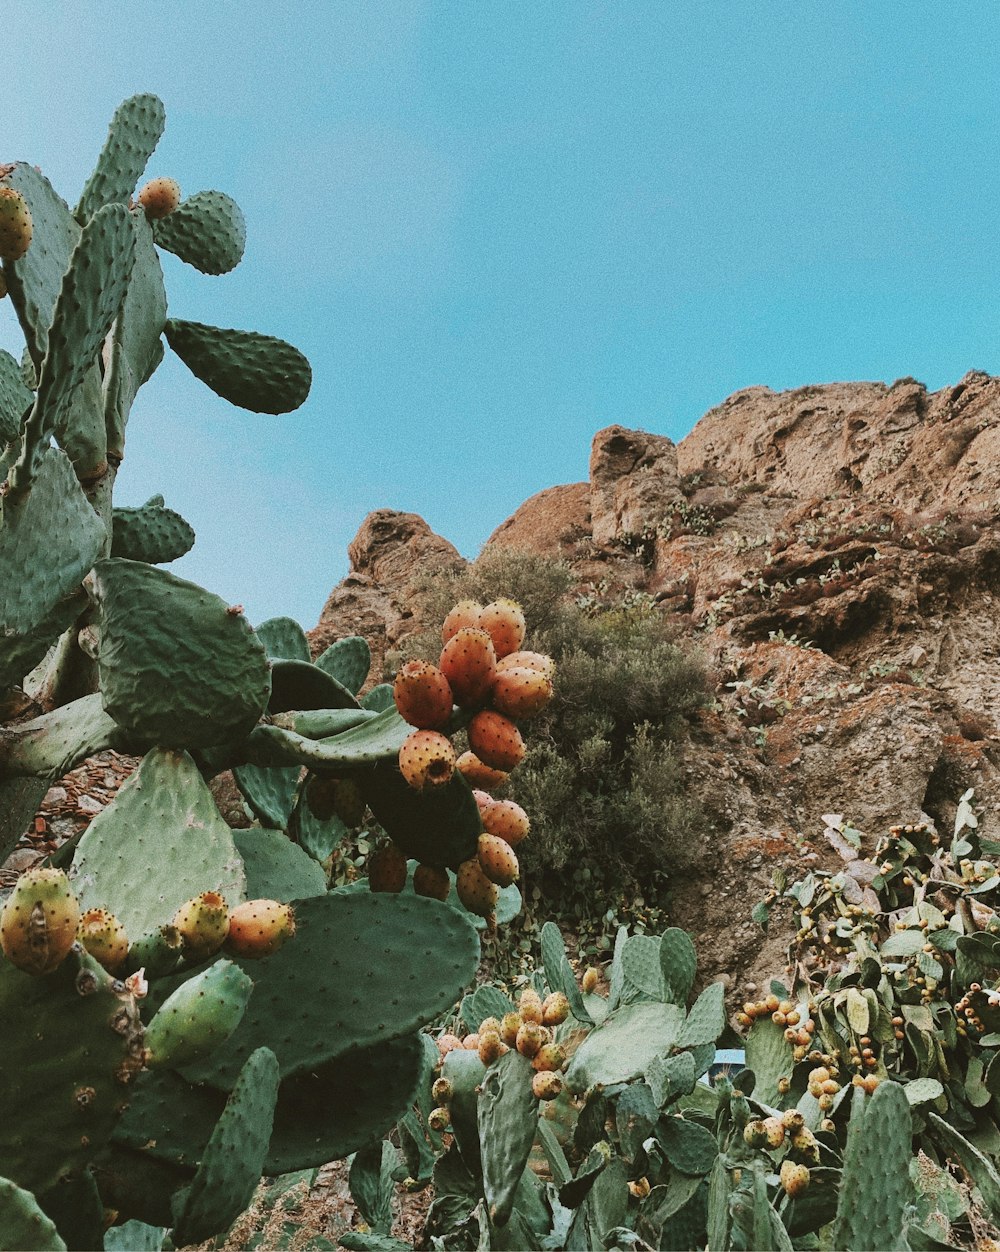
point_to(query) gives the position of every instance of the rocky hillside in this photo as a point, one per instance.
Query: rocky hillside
(834, 552)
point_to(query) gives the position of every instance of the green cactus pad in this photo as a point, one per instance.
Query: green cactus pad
(976, 1164)
(875, 1183)
(360, 968)
(688, 1147)
(508, 1116)
(65, 1037)
(51, 745)
(150, 533)
(23, 1225)
(75, 1205)
(624, 1044)
(159, 843)
(465, 1071)
(136, 1236)
(15, 398)
(559, 974)
(199, 1016)
(485, 1001)
(769, 1055)
(439, 827)
(255, 372)
(302, 685)
(276, 868)
(283, 638)
(678, 963)
(370, 741)
(91, 294)
(33, 282)
(379, 699)
(234, 1156)
(372, 1184)
(317, 838)
(49, 538)
(641, 965)
(207, 230)
(178, 666)
(671, 1076)
(348, 661)
(133, 134)
(706, 1020)
(135, 347)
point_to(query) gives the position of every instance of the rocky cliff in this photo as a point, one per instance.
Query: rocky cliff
(834, 553)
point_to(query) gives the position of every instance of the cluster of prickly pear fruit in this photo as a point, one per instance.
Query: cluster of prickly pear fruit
(788, 1132)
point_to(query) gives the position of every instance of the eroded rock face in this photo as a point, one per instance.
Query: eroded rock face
(634, 482)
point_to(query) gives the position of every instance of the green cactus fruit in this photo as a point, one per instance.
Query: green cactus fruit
(536, 661)
(103, 935)
(39, 921)
(531, 1038)
(422, 696)
(427, 759)
(503, 621)
(476, 774)
(468, 661)
(590, 980)
(497, 860)
(387, 869)
(439, 1119)
(157, 953)
(433, 881)
(495, 740)
(15, 224)
(546, 1085)
(259, 927)
(475, 890)
(463, 615)
(159, 197)
(549, 1056)
(521, 693)
(203, 924)
(794, 1178)
(555, 1009)
(201, 1014)
(442, 1090)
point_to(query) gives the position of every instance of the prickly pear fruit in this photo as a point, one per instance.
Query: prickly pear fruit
(503, 621)
(157, 953)
(387, 869)
(475, 890)
(531, 1038)
(497, 860)
(159, 197)
(423, 696)
(536, 661)
(546, 1085)
(471, 1042)
(793, 1178)
(463, 614)
(590, 980)
(520, 693)
(203, 923)
(490, 1046)
(469, 663)
(476, 774)
(340, 797)
(259, 927)
(495, 740)
(39, 921)
(427, 759)
(506, 820)
(775, 1131)
(202, 1013)
(509, 1027)
(433, 881)
(438, 1119)
(530, 1006)
(448, 1043)
(103, 935)
(442, 1090)
(549, 1056)
(555, 1009)
(15, 224)
(755, 1134)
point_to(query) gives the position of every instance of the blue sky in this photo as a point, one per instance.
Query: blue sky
(496, 227)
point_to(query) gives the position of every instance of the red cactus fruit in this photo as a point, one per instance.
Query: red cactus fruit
(469, 663)
(520, 692)
(506, 820)
(39, 920)
(387, 869)
(203, 923)
(15, 224)
(476, 774)
(463, 614)
(431, 880)
(475, 890)
(495, 740)
(503, 621)
(259, 927)
(498, 860)
(536, 661)
(423, 696)
(103, 935)
(427, 759)
(159, 197)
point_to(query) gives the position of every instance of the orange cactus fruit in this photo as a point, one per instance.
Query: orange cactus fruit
(520, 693)
(39, 921)
(555, 1009)
(160, 197)
(503, 621)
(431, 880)
(546, 1085)
(423, 696)
(498, 860)
(506, 820)
(536, 661)
(203, 924)
(475, 890)
(495, 740)
(259, 927)
(462, 615)
(104, 937)
(476, 774)
(469, 663)
(427, 759)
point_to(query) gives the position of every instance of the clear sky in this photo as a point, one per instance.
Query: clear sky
(495, 227)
